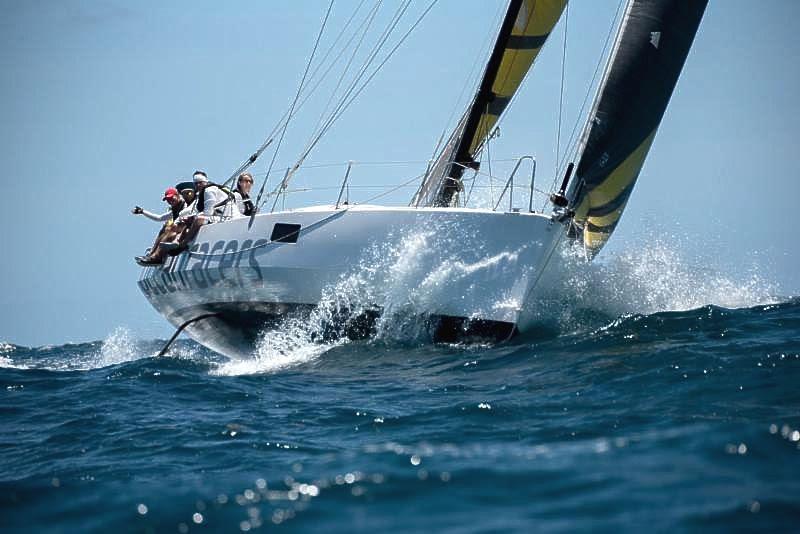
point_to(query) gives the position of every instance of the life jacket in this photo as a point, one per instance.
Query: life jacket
(176, 210)
(201, 198)
(248, 204)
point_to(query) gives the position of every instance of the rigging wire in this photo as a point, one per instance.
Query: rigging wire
(333, 63)
(471, 82)
(561, 94)
(352, 95)
(291, 110)
(488, 138)
(368, 21)
(573, 146)
(364, 67)
(507, 111)
(381, 41)
(572, 141)
(373, 163)
(392, 190)
(473, 78)
(335, 42)
(471, 187)
(270, 137)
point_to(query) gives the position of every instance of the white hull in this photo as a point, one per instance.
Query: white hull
(450, 263)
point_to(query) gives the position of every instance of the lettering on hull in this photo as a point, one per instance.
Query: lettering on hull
(206, 266)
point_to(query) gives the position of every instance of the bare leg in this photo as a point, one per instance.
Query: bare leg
(169, 234)
(191, 232)
(160, 236)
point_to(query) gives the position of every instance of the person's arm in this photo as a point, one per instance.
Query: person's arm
(209, 201)
(188, 211)
(160, 218)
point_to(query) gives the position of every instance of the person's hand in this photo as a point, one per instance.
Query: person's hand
(137, 210)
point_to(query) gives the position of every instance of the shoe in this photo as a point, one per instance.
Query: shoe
(168, 245)
(145, 261)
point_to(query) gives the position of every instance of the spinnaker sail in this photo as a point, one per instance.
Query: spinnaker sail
(651, 47)
(524, 30)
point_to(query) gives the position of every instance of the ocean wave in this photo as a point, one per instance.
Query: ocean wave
(579, 295)
(117, 348)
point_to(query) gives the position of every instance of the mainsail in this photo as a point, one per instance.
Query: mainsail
(524, 30)
(651, 47)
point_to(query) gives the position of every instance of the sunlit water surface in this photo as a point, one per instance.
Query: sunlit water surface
(647, 395)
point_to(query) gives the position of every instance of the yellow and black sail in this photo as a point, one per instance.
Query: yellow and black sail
(524, 30)
(648, 55)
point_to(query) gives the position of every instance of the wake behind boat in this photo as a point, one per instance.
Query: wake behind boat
(482, 267)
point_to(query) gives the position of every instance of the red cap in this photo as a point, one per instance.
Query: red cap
(169, 193)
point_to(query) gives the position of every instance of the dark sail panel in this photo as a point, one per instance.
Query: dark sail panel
(522, 35)
(431, 186)
(651, 48)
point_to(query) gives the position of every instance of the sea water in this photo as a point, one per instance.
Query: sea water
(648, 395)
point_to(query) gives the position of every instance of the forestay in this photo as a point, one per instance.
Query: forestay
(649, 53)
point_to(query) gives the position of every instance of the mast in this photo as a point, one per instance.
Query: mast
(524, 30)
(650, 50)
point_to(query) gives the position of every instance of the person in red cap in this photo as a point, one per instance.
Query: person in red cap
(176, 204)
(177, 208)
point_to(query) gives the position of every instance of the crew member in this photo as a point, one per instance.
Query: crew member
(177, 207)
(210, 208)
(242, 194)
(186, 189)
(173, 199)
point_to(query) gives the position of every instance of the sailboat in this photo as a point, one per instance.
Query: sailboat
(482, 267)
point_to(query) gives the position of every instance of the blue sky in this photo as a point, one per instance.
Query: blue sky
(105, 104)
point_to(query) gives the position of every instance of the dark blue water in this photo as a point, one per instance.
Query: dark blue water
(669, 421)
